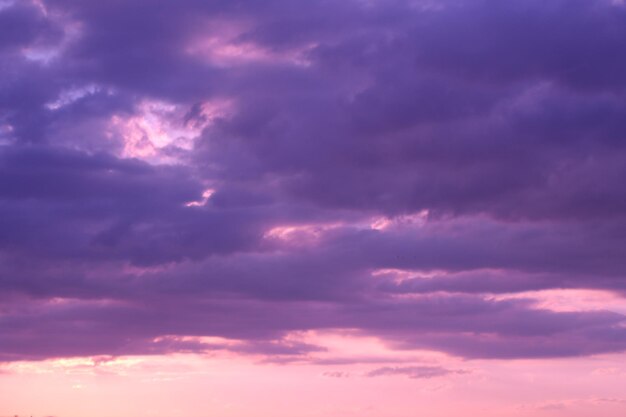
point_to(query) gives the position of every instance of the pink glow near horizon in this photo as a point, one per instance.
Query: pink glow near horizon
(239, 387)
(341, 381)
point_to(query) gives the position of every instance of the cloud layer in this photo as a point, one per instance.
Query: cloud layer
(409, 170)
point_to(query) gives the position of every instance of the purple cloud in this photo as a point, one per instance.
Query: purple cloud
(249, 169)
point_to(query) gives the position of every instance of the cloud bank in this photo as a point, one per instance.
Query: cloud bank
(409, 170)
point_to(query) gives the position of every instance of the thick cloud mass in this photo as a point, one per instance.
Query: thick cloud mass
(409, 170)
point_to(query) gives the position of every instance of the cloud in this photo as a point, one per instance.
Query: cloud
(336, 374)
(246, 170)
(414, 372)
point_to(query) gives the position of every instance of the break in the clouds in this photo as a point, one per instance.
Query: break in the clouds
(428, 173)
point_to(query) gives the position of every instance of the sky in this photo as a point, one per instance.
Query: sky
(279, 208)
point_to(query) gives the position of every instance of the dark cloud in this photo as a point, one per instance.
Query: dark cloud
(250, 169)
(23, 24)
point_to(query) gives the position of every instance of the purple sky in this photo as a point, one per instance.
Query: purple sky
(242, 169)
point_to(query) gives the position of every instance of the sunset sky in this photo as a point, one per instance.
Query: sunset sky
(312, 208)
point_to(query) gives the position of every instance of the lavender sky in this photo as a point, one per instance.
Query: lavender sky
(267, 208)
